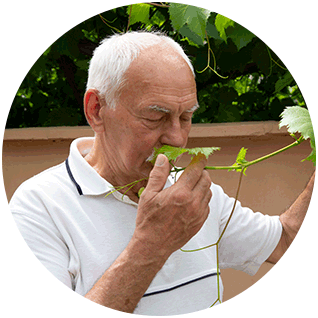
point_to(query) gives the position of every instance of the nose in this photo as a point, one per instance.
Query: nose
(174, 134)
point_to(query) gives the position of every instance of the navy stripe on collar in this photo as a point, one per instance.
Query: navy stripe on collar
(79, 189)
(177, 286)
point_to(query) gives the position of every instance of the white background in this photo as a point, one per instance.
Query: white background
(28, 28)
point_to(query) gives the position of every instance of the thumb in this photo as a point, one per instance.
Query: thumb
(159, 174)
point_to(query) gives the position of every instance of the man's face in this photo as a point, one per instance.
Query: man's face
(154, 109)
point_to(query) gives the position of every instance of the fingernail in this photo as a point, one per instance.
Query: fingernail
(160, 160)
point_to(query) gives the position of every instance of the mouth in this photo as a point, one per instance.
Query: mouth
(153, 154)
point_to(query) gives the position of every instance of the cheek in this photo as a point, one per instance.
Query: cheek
(186, 131)
(146, 140)
(141, 143)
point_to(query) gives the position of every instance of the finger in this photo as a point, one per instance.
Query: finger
(159, 174)
(207, 198)
(202, 190)
(204, 183)
(193, 172)
(204, 215)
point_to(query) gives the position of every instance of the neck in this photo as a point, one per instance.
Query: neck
(103, 161)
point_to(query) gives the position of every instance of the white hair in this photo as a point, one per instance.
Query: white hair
(113, 56)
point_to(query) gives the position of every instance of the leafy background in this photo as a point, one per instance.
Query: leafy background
(239, 78)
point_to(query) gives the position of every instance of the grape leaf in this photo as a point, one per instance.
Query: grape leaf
(193, 38)
(239, 35)
(240, 160)
(210, 27)
(287, 79)
(207, 151)
(177, 15)
(172, 153)
(297, 119)
(139, 13)
(194, 17)
(221, 24)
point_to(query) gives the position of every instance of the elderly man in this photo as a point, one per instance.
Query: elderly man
(123, 252)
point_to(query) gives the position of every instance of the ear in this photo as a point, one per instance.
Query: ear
(92, 109)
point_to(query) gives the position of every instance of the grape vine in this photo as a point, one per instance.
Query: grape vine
(295, 118)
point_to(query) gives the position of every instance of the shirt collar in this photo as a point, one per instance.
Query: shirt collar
(86, 178)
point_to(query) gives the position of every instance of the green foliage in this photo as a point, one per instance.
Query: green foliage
(190, 21)
(140, 191)
(240, 160)
(221, 24)
(206, 151)
(255, 84)
(172, 153)
(297, 120)
(239, 35)
(139, 13)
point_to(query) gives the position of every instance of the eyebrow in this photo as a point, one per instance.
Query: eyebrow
(159, 109)
(193, 109)
(167, 111)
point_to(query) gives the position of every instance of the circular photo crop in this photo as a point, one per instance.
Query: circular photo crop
(159, 159)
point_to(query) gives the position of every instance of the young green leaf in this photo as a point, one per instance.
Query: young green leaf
(297, 119)
(141, 190)
(172, 153)
(207, 151)
(240, 160)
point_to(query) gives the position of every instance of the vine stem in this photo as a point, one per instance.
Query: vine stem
(159, 5)
(272, 60)
(208, 65)
(130, 9)
(107, 23)
(239, 167)
(227, 223)
(218, 277)
(130, 185)
(242, 169)
(249, 163)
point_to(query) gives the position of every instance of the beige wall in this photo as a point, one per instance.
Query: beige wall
(269, 187)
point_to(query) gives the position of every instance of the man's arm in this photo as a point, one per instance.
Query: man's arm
(166, 220)
(291, 221)
(125, 282)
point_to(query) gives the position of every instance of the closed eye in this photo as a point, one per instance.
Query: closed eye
(154, 120)
(186, 118)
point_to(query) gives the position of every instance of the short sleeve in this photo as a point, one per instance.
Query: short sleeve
(41, 235)
(249, 239)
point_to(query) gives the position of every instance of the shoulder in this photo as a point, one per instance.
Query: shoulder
(54, 175)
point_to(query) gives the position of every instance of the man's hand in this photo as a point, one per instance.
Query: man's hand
(167, 219)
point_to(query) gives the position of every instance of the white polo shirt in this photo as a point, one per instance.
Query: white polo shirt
(77, 234)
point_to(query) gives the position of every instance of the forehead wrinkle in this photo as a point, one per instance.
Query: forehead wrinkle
(162, 88)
